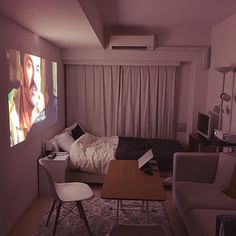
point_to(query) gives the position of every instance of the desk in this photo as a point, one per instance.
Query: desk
(124, 181)
(197, 143)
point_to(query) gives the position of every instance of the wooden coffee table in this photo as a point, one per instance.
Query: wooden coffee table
(124, 181)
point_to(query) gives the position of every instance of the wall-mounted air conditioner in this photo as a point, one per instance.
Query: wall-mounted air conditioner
(132, 42)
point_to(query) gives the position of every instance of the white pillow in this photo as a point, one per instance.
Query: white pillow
(55, 147)
(225, 169)
(64, 141)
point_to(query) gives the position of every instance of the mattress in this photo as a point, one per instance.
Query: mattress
(92, 154)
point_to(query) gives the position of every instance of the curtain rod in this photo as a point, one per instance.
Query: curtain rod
(122, 62)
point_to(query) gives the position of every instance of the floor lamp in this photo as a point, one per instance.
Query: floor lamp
(223, 96)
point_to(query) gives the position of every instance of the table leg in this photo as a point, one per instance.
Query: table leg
(121, 204)
(142, 208)
(117, 211)
(147, 213)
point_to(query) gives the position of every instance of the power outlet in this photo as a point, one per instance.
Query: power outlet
(181, 127)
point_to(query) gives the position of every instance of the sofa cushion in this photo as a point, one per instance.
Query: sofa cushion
(192, 195)
(195, 166)
(225, 169)
(203, 222)
(231, 190)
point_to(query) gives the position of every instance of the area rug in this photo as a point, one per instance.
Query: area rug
(101, 215)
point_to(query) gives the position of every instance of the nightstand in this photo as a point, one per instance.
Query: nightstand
(58, 166)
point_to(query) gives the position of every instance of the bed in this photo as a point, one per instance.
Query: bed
(90, 155)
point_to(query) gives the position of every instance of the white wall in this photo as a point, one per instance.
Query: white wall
(18, 165)
(223, 53)
(192, 82)
(92, 13)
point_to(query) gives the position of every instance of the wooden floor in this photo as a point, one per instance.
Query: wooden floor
(29, 223)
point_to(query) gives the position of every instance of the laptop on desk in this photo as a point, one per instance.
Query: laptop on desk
(145, 158)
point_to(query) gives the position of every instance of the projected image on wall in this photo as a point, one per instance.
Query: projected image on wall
(33, 88)
(54, 89)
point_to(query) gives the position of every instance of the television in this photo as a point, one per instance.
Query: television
(204, 125)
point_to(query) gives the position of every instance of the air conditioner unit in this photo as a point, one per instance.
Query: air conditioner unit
(132, 42)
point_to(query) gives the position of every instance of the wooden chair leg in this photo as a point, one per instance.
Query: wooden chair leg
(81, 209)
(56, 218)
(50, 212)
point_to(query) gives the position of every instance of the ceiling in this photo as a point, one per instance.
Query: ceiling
(79, 23)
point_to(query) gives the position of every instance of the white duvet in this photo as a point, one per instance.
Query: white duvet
(93, 154)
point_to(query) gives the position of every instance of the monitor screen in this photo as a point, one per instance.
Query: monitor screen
(204, 125)
(32, 96)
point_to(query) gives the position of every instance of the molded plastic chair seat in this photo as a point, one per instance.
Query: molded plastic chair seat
(73, 191)
(66, 192)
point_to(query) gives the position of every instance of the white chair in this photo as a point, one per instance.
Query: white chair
(66, 192)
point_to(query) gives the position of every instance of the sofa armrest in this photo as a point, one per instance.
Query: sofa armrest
(195, 166)
(227, 223)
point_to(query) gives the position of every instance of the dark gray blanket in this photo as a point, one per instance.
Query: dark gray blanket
(163, 150)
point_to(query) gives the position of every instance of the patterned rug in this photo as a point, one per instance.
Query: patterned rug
(101, 215)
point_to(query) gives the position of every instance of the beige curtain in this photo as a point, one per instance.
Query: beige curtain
(135, 101)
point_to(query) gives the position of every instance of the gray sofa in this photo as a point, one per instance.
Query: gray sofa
(198, 183)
